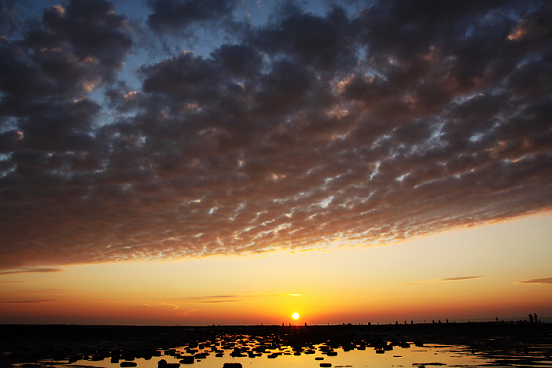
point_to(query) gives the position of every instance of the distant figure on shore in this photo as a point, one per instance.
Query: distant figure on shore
(536, 320)
(530, 318)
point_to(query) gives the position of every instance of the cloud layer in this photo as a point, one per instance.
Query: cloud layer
(544, 281)
(400, 120)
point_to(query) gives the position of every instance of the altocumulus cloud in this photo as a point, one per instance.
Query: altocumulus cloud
(401, 119)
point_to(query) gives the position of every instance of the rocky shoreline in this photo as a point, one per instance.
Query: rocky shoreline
(505, 343)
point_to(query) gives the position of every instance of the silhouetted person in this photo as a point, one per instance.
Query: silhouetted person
(536, 320)
(530, 318)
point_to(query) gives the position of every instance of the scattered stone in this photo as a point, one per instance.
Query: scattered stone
(187, 359)
(232, 365)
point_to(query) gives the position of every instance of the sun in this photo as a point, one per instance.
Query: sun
(295, 316)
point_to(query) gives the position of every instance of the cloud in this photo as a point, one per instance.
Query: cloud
(30, 270)
(544, 281)
(299, 132)
(174, 306)
(462, 278)
(234, 297)
(27, 301)
(174, 15)
(213, 299)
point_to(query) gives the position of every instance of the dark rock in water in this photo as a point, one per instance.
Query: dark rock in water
(163, 364)
(319, 358)
(380, 351)
(272, 356)
(187, 359)
(325, 364)
(74, 358)
(232, 365)
(219, 355)
(128, 364)
(114, 360)
(332, 353)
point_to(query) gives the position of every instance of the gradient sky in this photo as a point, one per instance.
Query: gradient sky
(235, 161)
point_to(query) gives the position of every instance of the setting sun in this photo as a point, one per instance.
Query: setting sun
(295, 315)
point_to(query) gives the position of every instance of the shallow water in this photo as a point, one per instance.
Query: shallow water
(428, 356)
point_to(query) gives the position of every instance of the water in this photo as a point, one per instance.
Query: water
(429, 355)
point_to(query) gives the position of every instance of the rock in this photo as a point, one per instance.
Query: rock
(232, 365)
(128, 364)
(188, 359)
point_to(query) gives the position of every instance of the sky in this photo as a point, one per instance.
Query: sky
(236, 161)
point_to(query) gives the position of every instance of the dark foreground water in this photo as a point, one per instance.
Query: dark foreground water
(412, 346)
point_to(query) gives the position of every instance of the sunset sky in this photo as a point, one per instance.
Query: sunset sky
(237, 161)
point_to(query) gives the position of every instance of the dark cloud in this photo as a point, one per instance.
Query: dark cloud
(544, 281)
(175, 15)
(7, 16)
(308, 130)
(323, 42)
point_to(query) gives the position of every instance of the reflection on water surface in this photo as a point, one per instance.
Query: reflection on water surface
(286, 356)
(422, 346)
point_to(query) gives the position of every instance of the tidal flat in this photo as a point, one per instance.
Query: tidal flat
(505, 344)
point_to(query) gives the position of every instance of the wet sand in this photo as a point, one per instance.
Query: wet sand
(520, 344)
